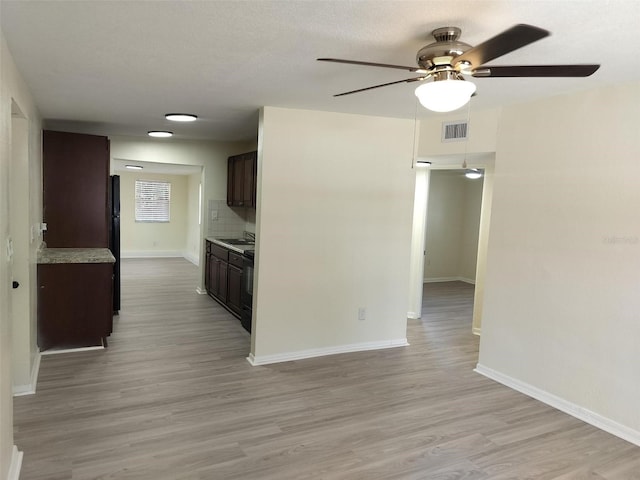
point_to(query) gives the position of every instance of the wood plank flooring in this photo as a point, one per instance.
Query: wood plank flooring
(173, 398)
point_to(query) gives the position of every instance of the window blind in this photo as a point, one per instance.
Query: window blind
(153, 201)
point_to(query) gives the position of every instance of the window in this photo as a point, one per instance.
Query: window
(153, 201)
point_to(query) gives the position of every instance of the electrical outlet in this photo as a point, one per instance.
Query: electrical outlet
(362, 313)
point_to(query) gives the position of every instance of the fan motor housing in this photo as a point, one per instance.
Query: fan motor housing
(443, 50)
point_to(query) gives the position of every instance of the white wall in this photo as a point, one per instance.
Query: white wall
(335, 199)
(212, 156)
(23, 357)
(472, 205)
(483, 125)
(453, 218)
(483, 242)
(562, 293)
(153, 239)
(444, 225)
(194, 216)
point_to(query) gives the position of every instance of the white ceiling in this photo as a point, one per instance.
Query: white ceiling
(116, 67)
(120, 165)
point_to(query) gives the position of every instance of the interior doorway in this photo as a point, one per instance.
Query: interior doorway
(179, 234)
(438, 256)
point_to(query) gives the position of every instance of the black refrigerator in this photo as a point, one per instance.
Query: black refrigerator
(114, 241)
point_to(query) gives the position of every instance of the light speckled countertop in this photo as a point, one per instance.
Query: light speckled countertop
(75, 255)
(236, 248)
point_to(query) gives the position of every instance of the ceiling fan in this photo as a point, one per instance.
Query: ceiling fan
(447, 59)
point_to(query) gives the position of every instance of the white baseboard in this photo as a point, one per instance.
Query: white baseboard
(71, 350)
(16, 464)
(151, 254)
(321, 352)
(30, 389)
(192, 258)
(581, 413)
(449, 279)
(477, 331)
(414, 315)
(201, 291)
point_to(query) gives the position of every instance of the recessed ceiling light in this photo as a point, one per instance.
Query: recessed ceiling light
(159, 133)
(423, 163)
(133, 167)
(181, 117)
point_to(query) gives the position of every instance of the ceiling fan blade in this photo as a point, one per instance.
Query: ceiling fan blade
(370, 64)
(407, 80)
(536, 71)
(516, 37)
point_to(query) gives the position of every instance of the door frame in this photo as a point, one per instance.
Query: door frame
(483, 161)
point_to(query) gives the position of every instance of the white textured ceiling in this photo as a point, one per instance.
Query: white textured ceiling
(120, 165)
(117, 67)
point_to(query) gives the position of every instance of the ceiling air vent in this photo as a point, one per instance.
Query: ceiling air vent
(455, 131)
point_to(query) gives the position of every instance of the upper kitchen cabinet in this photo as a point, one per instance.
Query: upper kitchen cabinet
(241, 180)
(75, 190)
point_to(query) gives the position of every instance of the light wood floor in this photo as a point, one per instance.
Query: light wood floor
(173, 398)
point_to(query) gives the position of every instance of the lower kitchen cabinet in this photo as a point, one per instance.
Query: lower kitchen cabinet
(234, 282)
(223, 276)
(75, 304)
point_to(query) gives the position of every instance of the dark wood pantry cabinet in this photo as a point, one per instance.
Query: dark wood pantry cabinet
(241, 180)
(76, 269)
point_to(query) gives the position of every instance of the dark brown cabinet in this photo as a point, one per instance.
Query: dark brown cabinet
(241, 180)
(75, 190)
(234, 283)
(74, 304)
(223, 277)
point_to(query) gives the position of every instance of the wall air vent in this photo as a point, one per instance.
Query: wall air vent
(455, 131)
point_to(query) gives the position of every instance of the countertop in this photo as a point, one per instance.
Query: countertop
(75, 255)
(235, 248)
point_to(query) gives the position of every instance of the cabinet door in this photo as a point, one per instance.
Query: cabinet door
(75, 171)
(238, 181)
(214, 277)
(74, 304)
(235, 288)
(230, 163)
(249, 161)
(223, 268)
(207, 267)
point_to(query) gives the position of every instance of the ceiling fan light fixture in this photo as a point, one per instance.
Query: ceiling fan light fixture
(447, 92)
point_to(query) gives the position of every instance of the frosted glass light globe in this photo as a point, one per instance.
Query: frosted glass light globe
(445, 95)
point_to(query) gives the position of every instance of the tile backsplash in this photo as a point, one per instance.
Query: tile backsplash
(224, 221)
